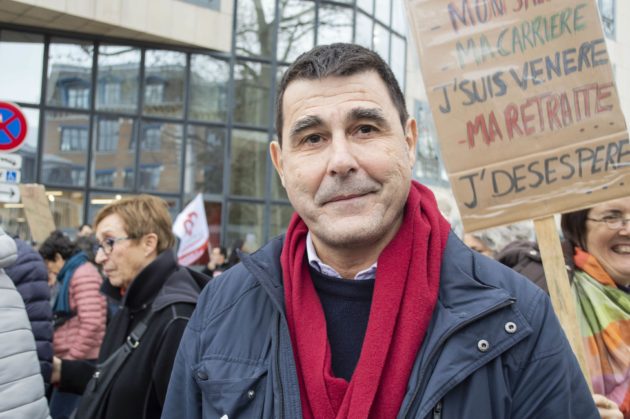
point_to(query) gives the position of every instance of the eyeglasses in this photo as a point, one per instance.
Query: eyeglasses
(613, 222)
(108, 244)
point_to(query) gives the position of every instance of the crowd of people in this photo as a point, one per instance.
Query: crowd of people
(369, 306)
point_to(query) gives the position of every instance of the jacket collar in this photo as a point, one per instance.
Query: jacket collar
(462, 294)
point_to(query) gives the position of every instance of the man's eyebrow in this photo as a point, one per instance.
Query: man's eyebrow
(372, 114)
(304, 124)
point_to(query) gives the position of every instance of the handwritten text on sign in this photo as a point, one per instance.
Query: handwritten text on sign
(525, 105)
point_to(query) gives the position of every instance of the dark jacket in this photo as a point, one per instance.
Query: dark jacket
(524, 257)
(139, 389)
(494, 349)
(30, 276)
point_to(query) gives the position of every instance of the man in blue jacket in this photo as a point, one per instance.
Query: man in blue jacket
(369, 306)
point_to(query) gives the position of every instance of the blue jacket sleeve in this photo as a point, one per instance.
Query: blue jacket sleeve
(30, 276)
(550, 383)
(183, 398)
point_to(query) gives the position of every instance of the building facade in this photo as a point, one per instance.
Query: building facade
(176, 97)
(168, 97)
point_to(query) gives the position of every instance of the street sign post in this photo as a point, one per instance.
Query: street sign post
(9, 193)
(10, 161)
(10, 176)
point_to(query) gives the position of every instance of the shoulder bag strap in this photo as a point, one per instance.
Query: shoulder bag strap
(95, 394)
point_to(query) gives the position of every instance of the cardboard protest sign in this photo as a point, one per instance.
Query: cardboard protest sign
(37, 211)
(525, 106)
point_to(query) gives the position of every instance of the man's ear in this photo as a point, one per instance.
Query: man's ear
(411, 138)
(275, 150)
(150, 242)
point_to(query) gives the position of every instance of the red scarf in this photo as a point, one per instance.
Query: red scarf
(405, 293)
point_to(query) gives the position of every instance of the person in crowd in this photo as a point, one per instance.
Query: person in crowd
(369, 306)
(135, 252)
(87, 244)
(79, 310)
(217, 263)
(480, 242)
(21, 382)
(237, 250)
(85, 230)
(597, 256)
(30, 277)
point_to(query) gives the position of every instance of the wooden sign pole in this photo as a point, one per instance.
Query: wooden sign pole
(559, 287)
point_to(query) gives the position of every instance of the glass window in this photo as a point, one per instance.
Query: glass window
(13, 220)
(65, 141)
(73, 138)
(296, 33)
(364, 36)
(254, 27)
(204, 160)
(249, 161)
(104, 178)
(69, 73)
(251, 93)
(164, 81)
(99, 199)
(152, 138)
(607, 13)
(280, 217)
(383, 11)
(209, 78)
(28, 151)
(107, 136)
(66, 208)
(118, 75)
(381, 41)
(367, 6)
(245, 224)
(399, 21)
(428, 167)
(160, 157)
(21, 70)
(112, 154)
(397, 61)
(335, 24)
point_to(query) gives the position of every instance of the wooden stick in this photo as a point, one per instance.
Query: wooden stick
(562, 297)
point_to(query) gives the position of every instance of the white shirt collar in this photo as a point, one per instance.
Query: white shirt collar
(316, 263)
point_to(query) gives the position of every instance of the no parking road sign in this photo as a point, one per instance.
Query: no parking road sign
(13, 127)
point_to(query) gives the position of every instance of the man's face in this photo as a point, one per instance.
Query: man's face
(345, 159)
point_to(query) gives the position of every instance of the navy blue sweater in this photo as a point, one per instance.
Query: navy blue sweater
(346, 304)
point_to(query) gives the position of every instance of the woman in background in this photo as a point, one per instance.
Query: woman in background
(79, 309)
(597, 251)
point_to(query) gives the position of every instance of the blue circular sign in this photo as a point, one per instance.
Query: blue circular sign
(13, 127)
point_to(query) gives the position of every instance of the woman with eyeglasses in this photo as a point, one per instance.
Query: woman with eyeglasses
(79, 309)
(156, 298)
(597, 255)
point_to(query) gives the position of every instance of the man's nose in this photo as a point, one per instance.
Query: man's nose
(342, 160)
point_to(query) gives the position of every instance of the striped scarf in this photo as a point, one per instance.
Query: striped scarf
(604, 315)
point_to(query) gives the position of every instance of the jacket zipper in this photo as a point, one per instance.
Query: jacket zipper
(437, 410)
(434, 352)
